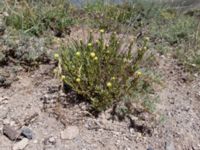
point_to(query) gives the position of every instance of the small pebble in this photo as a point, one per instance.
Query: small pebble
(52, 140)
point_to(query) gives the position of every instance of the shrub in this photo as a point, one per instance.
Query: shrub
(173, 27)
(35, 17)
(101, 71)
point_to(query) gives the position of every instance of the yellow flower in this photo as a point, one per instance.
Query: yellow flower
(96, 58)
(102, 31)
(139, 49)
(107, 45)
(63, 77)
(89, 44)
(78, 53)
(109, 84)
(113, 78)
(147, 38)
(78, 80)
(138, 73)
(92, 54)
(107, 51)
(145, 48)
(55, 71)
(56, 56)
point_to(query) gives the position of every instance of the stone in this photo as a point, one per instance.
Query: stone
(70, 133)
(26, 132)
(21, 144)
(52, 140)
(169, 145)
(149, 148)
(11, 133)
(35, 141)
(6, 121)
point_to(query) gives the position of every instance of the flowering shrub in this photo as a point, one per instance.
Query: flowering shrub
(100, 70)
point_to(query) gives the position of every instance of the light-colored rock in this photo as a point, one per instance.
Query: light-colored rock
(52, 140)
(21, 145)
(6, 121)
(169, 145)
(70, 133)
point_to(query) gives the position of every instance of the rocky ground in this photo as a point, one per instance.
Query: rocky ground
(33, 101)
(36, 115)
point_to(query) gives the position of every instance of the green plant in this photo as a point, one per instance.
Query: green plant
(37, 17)
(100, 70)
(117, 17)
(173, 27)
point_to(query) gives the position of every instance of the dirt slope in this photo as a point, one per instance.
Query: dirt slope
(179, 105)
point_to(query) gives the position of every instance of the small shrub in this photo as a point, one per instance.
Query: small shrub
(101, 71)
(172, 27)
(37, 17)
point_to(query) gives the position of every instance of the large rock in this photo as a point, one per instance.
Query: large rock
(11, 133)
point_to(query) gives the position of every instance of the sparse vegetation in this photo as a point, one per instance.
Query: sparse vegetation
(36, 17)
(73, 76)
(98, 70)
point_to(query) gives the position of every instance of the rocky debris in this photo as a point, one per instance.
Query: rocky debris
(51, 140)
(21, 144)
(169, 145)
(30, 119)
(5, 83)
(5, 77)
(149, 148)
(139, 126)
(70, 133)
(49, 101)
(10, 122)
(92, 125)
(26, 132)
(11, 133)
(3, 100)
(53, 89)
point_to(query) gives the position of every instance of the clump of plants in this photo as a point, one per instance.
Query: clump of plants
(101, 70)
(130, 15)
(35, 17)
